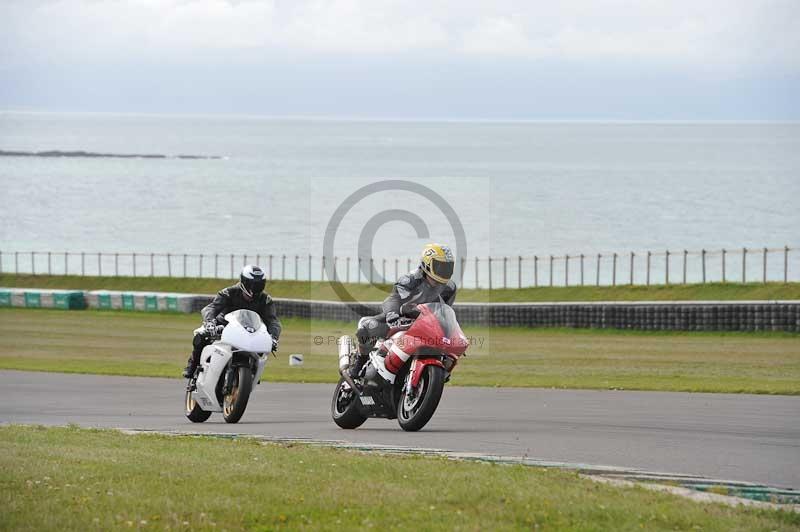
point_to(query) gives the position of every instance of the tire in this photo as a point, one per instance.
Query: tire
(193, 410)
(413, 415)
(233, 405)
(345, 413)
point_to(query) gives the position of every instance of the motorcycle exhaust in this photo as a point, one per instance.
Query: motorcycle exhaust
(345, 347)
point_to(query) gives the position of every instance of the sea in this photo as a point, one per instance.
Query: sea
(519, 192)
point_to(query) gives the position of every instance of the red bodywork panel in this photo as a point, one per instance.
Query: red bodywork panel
(427, 334)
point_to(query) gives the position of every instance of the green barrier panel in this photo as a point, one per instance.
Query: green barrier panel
(127, 302)
(33, 299)
(69, 300)
(5, 299)
(172, 303)
(104, 301)
(150, 303)
(61, 300)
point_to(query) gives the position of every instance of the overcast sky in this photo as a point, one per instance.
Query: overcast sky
(453, 59)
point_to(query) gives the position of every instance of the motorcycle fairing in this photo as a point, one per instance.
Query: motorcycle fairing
(437, 329)
(214, 359)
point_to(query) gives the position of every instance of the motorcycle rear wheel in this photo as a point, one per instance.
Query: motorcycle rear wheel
(193, 410)
(345, 412)
(414, 413)
(233, 404)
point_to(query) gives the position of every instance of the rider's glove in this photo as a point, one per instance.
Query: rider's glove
(274, 344)
(392, 317)
(409, 310)
(210, 327)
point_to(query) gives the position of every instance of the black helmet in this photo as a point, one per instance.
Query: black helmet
(252, 281)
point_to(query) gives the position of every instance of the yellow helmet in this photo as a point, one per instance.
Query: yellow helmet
(437, 261)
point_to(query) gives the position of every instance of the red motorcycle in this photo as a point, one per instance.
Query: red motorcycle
(420, 355)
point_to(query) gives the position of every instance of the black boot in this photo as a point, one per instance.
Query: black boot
(355, 369)
(191, 366)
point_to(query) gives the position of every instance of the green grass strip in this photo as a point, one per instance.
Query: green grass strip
(76, 479)
(157, 345)
(363, 292)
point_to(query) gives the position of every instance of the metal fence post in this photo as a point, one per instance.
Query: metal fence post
(33, 262)
(685, 254)
(100, 264)
(476, 273)
(322, 269)
(200, 266)
(49, 268)
(348, 269)
(383, 270)
(505, 272)
(397, 269)
(744, 265)
(152, 264)
(582, 269)
(597, 271)
(632, 255)
(184, 264)
(648, 267)
(258, 259)
(358, 271)
(244, 260)
(566, 270)
(666, 267)
(83, 264)
(536, 271)
(16, 262)
(296, 260)
(490, 272)
(66, 263)
(309, 268)
(519, 272)
(169, 265)
(116, 264)
(133, 261)
(408, 265)
(551, 270)
(703, 260)
(270, 267)
(765, 266)
(723, 265)
(614, 270)
(785, 264)
(461, 275)
(335, 269)
(371, 269)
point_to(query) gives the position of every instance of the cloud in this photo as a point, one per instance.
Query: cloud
(716, 34)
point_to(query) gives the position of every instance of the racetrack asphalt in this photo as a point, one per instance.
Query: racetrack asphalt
(752, 438)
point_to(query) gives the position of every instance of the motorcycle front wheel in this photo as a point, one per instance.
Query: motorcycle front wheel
(414, 412)
(234, 403)
(344, 409)
(193, 410)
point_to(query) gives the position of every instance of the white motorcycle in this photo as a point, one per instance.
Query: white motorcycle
(229, 368)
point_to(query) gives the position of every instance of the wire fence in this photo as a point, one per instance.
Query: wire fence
(667, 267)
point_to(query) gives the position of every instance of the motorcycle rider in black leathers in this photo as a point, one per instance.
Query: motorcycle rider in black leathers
(430, 281)
(247, 294)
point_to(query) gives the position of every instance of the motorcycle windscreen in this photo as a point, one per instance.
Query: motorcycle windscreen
(248, 319)
(436, 328)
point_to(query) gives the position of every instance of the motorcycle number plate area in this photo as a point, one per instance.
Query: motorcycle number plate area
(366, 400)
(204, 402)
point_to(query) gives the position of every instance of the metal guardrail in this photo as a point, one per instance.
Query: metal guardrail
(667, 267)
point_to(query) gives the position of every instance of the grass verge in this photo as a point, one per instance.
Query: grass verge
(157, 345)
(76, 479)
(363, 292)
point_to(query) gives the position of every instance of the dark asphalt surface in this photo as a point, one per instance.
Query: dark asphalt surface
(751, 438)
